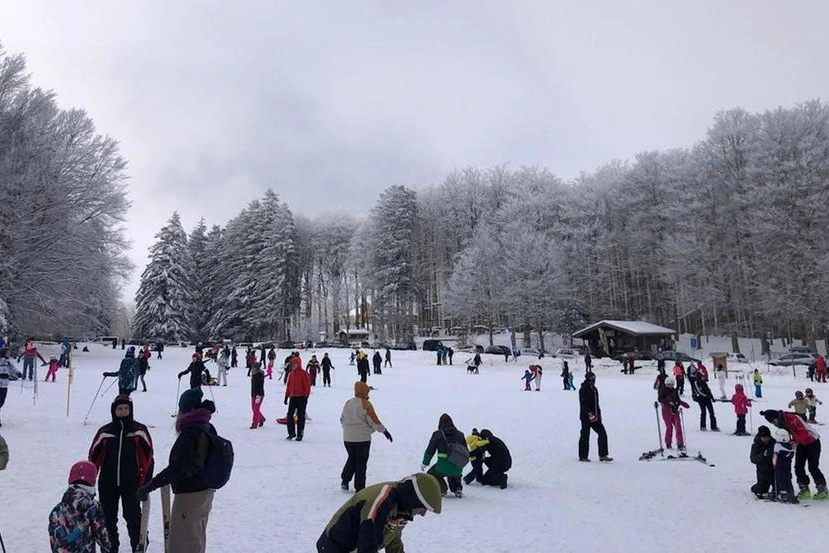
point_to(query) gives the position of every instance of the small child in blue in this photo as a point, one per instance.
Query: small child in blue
(783, 455)
(758, 384)
(527, 378)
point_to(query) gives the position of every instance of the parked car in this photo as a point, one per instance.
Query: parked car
(670, 355)
(404, 346)
(800, 349)
(790, 359)
(566, 353)
(286, 344)
(430, 345)
(497, 350)
(637, 355)
(471, 348)
(736, 358)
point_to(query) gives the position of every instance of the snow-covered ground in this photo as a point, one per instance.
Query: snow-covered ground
(283, 493)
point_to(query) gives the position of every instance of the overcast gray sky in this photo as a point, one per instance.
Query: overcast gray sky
(328, 103)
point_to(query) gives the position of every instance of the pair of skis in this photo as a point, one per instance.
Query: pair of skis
(682, 456)
(145, 521)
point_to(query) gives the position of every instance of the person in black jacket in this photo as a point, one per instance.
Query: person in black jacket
(362, 366)
(326, 370)
(196, 369)
(257, 394)
(377, 361)
(762, 455)
(143, 367)
(388, 358)
(184, 472)
(498, 461)
(701, 393)
(590, 414)
(122, 451)
(439, 443)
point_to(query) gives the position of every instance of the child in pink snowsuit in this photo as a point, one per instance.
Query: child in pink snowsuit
(269, 370)
(741, 404)
(257, 394)
(53, 369)
(669, 398)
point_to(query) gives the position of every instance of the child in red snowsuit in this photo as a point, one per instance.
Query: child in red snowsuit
(741, 404)
(53, 369)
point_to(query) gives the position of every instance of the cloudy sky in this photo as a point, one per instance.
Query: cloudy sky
(328, 103)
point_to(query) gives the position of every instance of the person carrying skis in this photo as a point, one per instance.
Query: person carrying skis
(442, 439)
(741, 406)
(671, 404)
(7, 369)
(185, 472)
(313, 367)
(527, 378)
(196, 370)
(127, 373)
(701, 393)
(590, 415)
(783, 467)
(297, 390)
(762, 456)
(807, 450)
(812, 402)
(326, 370)
(257, 394)
(374, 518)
(29, 355)
(76, 524)
(143, 367)
(122, 452)
(359, 422)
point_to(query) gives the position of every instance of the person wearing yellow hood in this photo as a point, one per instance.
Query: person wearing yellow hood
(359, 422)
(373, 519)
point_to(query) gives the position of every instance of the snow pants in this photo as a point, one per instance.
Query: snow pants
(721, 380)
(188, 521)
(109, 495)
(765, 480)
(477, 471)
(584, 438)
(741, 424)
(222, 376)
(144, 384)
(783, 476)
(51, 373)
(566, 381)
(672, 420)
(356, 463)
(363, 376)
(313, 374)
(326, 378)
(296, 406)
(706, 406)
(808, 454)
(680, 384)
(495, 474)
(538, 381)
(454, 481)
(758, 391)
(325, 545)
(28, 367)
(256, 407)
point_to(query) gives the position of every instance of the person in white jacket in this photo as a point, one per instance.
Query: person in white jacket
(359, 422)
(722, 374)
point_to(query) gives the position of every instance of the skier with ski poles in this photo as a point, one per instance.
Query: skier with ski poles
(196, 370)
(127, 373)
(671, 406)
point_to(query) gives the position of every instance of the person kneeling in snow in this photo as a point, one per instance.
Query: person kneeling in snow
(762, 455)
(373, 519)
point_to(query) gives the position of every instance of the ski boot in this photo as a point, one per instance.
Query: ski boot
(584, 460)
(784, 497)
(805, 493)
(702, 428)
(458, 494)
(821, 493)
(504, 482)
(605, 459)
(715, 429)
(344, 486)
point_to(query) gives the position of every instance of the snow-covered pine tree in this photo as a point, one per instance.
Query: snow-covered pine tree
(164, 299)
(202, 265)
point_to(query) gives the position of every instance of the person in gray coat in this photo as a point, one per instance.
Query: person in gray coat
(359, 422)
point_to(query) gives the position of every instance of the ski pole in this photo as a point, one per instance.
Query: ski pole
(750, 421)
(658, 427)
(94, 398)
(682, 426)
(111, 384)
(213, 399)
(2, 545)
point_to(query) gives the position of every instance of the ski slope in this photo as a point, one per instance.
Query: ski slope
(283, 493)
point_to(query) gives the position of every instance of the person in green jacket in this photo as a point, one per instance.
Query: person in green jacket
(758, 384)
(441, 438)
(374, 518)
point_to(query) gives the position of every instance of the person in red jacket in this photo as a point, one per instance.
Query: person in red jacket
(741, 406)
(820, 368)
(297, 390)
(807, 450)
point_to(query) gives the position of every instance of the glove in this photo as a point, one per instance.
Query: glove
(388, 436)
(423, 468)
(686, 405)
(143, 492)
(286, 400)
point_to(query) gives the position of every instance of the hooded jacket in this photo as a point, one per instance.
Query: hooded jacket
(499, 456)
(127, 372)
(77, 522)
(373, 519)
(476, 446)
(740, 401)
(762, 456)
(122, 451)
(589, 402)
(439, 442)
(801, 433)
(196, 369)
(257, 382)
(358, 419)
(189, 454)
(298, 384)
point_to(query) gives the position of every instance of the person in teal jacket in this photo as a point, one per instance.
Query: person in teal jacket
(439, 443)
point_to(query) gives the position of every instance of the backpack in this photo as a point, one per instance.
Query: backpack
(456, 452)
(219, 462)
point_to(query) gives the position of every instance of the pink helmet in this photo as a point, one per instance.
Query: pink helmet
(83, 471)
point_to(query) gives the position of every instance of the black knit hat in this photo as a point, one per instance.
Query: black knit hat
(763, 430)
(770, 415)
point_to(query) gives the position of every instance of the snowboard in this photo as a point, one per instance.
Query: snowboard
(143, 537)
(165, 516)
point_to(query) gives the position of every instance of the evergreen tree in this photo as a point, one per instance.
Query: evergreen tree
(197, 245)
(164, 299)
